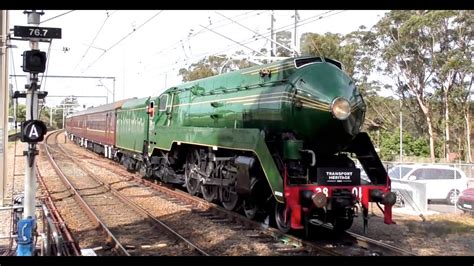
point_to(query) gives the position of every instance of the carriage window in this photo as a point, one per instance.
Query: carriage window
(163, 100)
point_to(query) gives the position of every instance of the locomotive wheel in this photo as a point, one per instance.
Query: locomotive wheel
(144, 171)
(191, 176)
(250, 209)
(341, 224)
(209, 193)
(309, 228)
(282, 217)
(250, 205)
(229, 197)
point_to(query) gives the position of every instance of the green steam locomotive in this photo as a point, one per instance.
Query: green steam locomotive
(271, 141)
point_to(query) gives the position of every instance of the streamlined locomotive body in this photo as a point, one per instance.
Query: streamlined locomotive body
(275, 141)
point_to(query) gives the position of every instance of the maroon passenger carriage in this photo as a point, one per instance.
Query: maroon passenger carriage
(95, 128)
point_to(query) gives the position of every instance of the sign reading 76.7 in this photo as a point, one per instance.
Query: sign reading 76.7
(37, 32)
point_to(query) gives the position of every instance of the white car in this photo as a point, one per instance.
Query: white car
(442, 182)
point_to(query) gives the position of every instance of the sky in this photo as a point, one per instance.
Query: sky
(143, 50)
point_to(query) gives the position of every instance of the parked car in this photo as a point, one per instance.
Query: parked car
(442, 182)
(466, 201)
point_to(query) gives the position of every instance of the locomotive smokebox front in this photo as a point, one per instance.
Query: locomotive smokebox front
(327, 109)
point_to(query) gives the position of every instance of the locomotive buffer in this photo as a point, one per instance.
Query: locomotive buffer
(32, 130)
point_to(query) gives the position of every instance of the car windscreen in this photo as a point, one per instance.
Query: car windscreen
(398, 172)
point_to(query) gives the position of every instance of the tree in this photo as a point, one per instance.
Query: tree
(464, 39)
(330, 45)
(21, 112)
(407, 47)
(284, 38)
(214, 65)
(356, 52)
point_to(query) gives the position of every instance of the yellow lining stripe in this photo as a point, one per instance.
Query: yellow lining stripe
(234, 98)
(259, 99)
(315, 108)
(266, 96)
(127, 110)
(97, 130)
(263, 102)
(313, 101)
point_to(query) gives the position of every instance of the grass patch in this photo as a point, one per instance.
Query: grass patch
(441, 225)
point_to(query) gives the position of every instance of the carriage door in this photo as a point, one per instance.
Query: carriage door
(107, 126)
(169, 109)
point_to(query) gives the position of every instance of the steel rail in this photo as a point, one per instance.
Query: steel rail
(154, 221)
(92, 215)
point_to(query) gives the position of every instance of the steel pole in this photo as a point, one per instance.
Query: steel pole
(3, 103)
(27, 225)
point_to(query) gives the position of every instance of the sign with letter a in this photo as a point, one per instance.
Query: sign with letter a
(33, 131)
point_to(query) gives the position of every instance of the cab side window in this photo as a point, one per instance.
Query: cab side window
(163, 100)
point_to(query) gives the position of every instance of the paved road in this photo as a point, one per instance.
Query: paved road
(443, 208)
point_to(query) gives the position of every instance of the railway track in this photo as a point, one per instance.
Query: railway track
(378, 247)
(129, 229)
(345, 244)
(65, 244)
(249, 232)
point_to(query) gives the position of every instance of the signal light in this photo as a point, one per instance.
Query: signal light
(34, 61)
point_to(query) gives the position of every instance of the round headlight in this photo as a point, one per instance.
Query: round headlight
(341, 108)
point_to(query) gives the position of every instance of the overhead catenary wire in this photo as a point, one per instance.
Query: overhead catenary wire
(95, 37)
(203, 30)
(60, 15)
(241, 44)
(215, 26)
(245, 27)
(122, 39)
(249, 40)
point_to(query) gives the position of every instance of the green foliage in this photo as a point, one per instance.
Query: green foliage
(390, 145)
(213, 65)
(424, 57)
(330, 45)
(284, 38)
(20, 112)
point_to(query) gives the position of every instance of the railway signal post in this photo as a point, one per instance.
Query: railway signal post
(32, 130)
